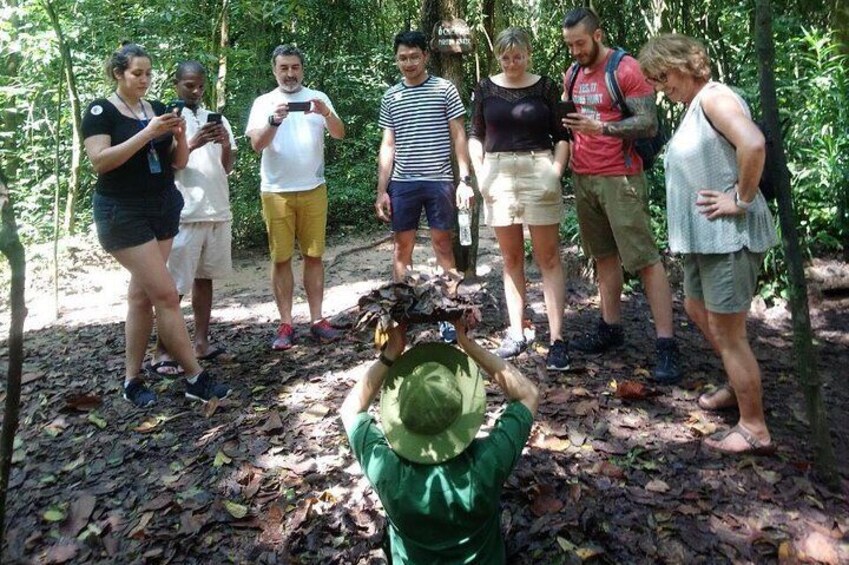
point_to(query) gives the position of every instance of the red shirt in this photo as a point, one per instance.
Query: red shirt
(604, 154)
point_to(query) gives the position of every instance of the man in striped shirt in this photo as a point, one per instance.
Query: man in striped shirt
(421, 116)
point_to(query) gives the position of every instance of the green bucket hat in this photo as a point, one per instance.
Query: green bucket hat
(432, 404)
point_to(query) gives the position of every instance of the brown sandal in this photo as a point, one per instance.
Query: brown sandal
(755, 446)
(712, 401)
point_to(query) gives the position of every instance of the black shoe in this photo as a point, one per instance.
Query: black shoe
(558, 357)
(510, 347)
(666, 371)
(138, 393)
(605, 337)
(204, 388)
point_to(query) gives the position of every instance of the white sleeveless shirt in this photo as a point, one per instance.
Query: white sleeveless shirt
(699, 158)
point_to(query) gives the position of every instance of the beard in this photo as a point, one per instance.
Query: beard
(592, 58)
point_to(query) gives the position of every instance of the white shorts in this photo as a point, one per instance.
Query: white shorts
(201, 251)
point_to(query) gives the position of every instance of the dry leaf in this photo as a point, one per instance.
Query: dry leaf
(80, 512)
(632, 390)
(83, 402)
(236, 510)
(657, 485)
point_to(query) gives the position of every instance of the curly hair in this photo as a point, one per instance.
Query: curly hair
(674, 51)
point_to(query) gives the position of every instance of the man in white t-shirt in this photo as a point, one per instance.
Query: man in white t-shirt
(201, 250)
(287, 127)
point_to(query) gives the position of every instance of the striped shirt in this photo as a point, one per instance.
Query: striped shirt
(419, 116)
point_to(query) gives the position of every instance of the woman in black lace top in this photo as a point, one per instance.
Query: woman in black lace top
(519, 152)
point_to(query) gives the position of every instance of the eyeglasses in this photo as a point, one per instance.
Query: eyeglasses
(414, 59)
(659, 79)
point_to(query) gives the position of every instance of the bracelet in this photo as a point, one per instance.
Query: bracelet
(385, 360)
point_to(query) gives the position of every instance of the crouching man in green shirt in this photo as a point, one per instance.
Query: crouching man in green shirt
(439, 485)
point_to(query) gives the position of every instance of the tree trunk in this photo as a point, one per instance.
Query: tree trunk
(450, 67)
(223, 44)
(806, 363)
(10, 246)
(76, 120)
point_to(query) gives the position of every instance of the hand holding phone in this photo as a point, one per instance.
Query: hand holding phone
(566, 107)
(213, 118)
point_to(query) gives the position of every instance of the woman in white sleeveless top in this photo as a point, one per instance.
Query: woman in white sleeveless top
(718, 221)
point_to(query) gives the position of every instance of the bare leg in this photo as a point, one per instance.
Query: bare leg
(729, 331)
(699, 314)
(314, 285)
(402, 254)
(659, 297)
(610, 284)
(546, 244)
(283, 285)
(511, 242)
(443, 248)
(149, 276)
(202, 309)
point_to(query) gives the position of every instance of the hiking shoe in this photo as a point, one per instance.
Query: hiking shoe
(447, 332)
(284, 339)
(605, 337)
(558, 357)
(138, 393)
(323, 332)
(204, 388)
(666, 371)
(511, 347)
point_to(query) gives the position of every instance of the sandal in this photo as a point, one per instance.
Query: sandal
(755, 446)
(714, 401)
(166, 368)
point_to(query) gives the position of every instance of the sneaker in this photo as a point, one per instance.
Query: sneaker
(511, 347)
(138, 393)
(605, 337)
(666, 371)
(447, 332)
(323, 332)
(558, 357)
(284, 339)
(204, 388)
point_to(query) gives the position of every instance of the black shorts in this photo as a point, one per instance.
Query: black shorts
(128, 222)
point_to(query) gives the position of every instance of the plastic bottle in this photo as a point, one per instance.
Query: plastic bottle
(464, 222)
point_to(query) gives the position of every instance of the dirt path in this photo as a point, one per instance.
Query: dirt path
(267, 477)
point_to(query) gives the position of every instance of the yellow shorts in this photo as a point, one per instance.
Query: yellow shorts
(298, 215)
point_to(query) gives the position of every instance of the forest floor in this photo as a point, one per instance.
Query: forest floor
(267, 476)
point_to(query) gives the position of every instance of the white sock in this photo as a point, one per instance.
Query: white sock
(194, 379)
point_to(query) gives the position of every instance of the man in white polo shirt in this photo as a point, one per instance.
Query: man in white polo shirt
(287, 127)
(201, 250)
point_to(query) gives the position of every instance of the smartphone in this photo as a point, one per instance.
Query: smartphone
(299, 106)
(565, 107)
(177, 105)
(213, 118)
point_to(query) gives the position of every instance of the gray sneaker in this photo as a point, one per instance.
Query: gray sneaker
(510, 347)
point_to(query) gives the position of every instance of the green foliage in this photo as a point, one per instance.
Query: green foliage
(349, 56)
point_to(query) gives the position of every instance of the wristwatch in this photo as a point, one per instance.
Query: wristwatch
(742, 204)
(467, 180)
(272, 123)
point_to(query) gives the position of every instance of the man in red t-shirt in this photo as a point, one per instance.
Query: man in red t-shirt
(610, 188)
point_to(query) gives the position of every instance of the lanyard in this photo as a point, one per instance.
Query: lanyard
(142, 122)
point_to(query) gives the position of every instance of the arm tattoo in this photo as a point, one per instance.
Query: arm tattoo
(641, 123)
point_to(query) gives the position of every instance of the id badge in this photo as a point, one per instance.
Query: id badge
(153, 162)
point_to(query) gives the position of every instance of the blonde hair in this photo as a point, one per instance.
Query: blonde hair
(510, 39)
(674, 51)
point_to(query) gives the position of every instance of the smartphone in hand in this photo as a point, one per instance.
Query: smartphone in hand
(213, 118)
(299, 106)
(565, 107)
(177, 105)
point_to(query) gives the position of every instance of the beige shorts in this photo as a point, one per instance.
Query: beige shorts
(613, 217)
(521, 188)
(201, 250)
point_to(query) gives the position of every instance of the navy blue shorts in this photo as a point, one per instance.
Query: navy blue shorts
(408, 199)
(127, 222)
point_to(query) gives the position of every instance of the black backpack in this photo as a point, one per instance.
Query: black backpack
(647, 148)
(767, 182)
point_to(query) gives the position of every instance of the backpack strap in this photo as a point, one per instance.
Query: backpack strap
(571, 77)
(612, 81)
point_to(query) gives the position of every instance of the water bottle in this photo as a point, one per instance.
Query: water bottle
(464, 221)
